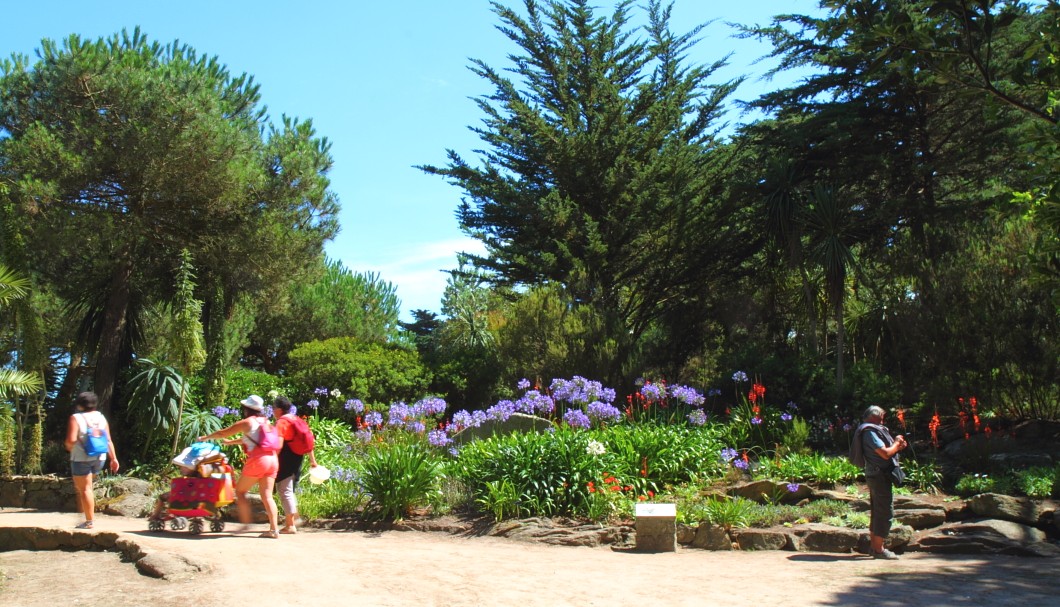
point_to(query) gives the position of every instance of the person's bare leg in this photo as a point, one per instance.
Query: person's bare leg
(265, 487)
(86, 500)
(242, 487)
(876, 542)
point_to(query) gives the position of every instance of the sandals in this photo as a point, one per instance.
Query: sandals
(288, 531)
(84, 525)
(270, 534)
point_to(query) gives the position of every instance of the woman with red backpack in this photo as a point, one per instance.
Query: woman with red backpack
(262, 442)
(298, 441)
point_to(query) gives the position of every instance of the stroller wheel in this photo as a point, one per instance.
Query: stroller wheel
(178, 523)
(195, 526)
(156, 525)
(217, 525)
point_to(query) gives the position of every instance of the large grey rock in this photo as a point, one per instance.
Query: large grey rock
(129, 504)
(170, 566)
(711, 537)
(1016, 461)
(518, 422)
(131, 486)
(825, 538)
(546, 531)
(1006, 507)
(762, 539)
(12, 493)
(921, 518)
(257, 510)
(987, 536)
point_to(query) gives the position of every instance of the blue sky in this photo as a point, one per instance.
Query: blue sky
(387, 83)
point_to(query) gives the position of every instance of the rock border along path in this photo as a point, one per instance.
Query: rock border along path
(323, 568)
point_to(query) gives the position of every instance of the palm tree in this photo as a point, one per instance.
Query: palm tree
(14, 382)
(831, 228)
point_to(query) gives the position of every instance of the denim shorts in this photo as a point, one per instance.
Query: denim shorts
(83, 468)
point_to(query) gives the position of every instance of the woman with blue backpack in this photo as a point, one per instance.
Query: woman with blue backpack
(262, 442)
(89, 443)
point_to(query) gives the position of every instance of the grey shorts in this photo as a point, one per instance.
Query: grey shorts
(85, 468)
(881, 498)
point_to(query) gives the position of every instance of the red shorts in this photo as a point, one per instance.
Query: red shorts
(261, 466)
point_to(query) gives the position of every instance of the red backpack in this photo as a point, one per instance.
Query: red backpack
(302, 440)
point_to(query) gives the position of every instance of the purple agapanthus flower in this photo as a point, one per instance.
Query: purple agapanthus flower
(430, 406)
(398, 413)
(756, 420)
(740, 463)
(438, 438)
(320, 391)
(687, 395)
(793, 487)
(373, 418)
(220, 411)
(364, 435)
(415, 426)
(785, 417)
(653, 392)
(575, 418)
(501, 411)
(697, 417)
(523, 384)
(728, 454)
(355, 405)
(313, 404)
(603, 412)
(739, 377)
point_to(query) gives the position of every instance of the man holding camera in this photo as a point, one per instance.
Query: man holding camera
(882, 472)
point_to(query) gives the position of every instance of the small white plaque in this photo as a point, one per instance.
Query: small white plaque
(661, 510)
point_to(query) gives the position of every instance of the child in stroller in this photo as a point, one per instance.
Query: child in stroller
(200, 493)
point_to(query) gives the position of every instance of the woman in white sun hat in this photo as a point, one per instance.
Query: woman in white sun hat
(261, 465)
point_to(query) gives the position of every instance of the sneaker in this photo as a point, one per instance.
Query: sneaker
(885, 554)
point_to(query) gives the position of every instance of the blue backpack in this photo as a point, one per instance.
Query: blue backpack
(95, 441)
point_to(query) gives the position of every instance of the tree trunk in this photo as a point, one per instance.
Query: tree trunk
(840, 335)
(115, 319)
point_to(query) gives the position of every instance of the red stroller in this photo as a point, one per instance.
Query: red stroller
(197, 497)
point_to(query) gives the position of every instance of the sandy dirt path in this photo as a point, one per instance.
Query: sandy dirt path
(325, 568)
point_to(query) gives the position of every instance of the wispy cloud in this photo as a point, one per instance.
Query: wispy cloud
(417, 271)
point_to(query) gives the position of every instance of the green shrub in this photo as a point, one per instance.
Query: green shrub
(340, 496)
(729, 513)
(372, 372)
(1039, 481)
(922, 475)
(649, 456)
(550, 471)
(243, 382)
(399, 478)
(806, 468)
(974, 484)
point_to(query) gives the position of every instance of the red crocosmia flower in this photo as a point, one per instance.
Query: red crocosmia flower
(651, 493)
(616, 488)
(751, 396)
(745, 458)
(933, 427)
(759, 389)
(643, 498)
(988, 431)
